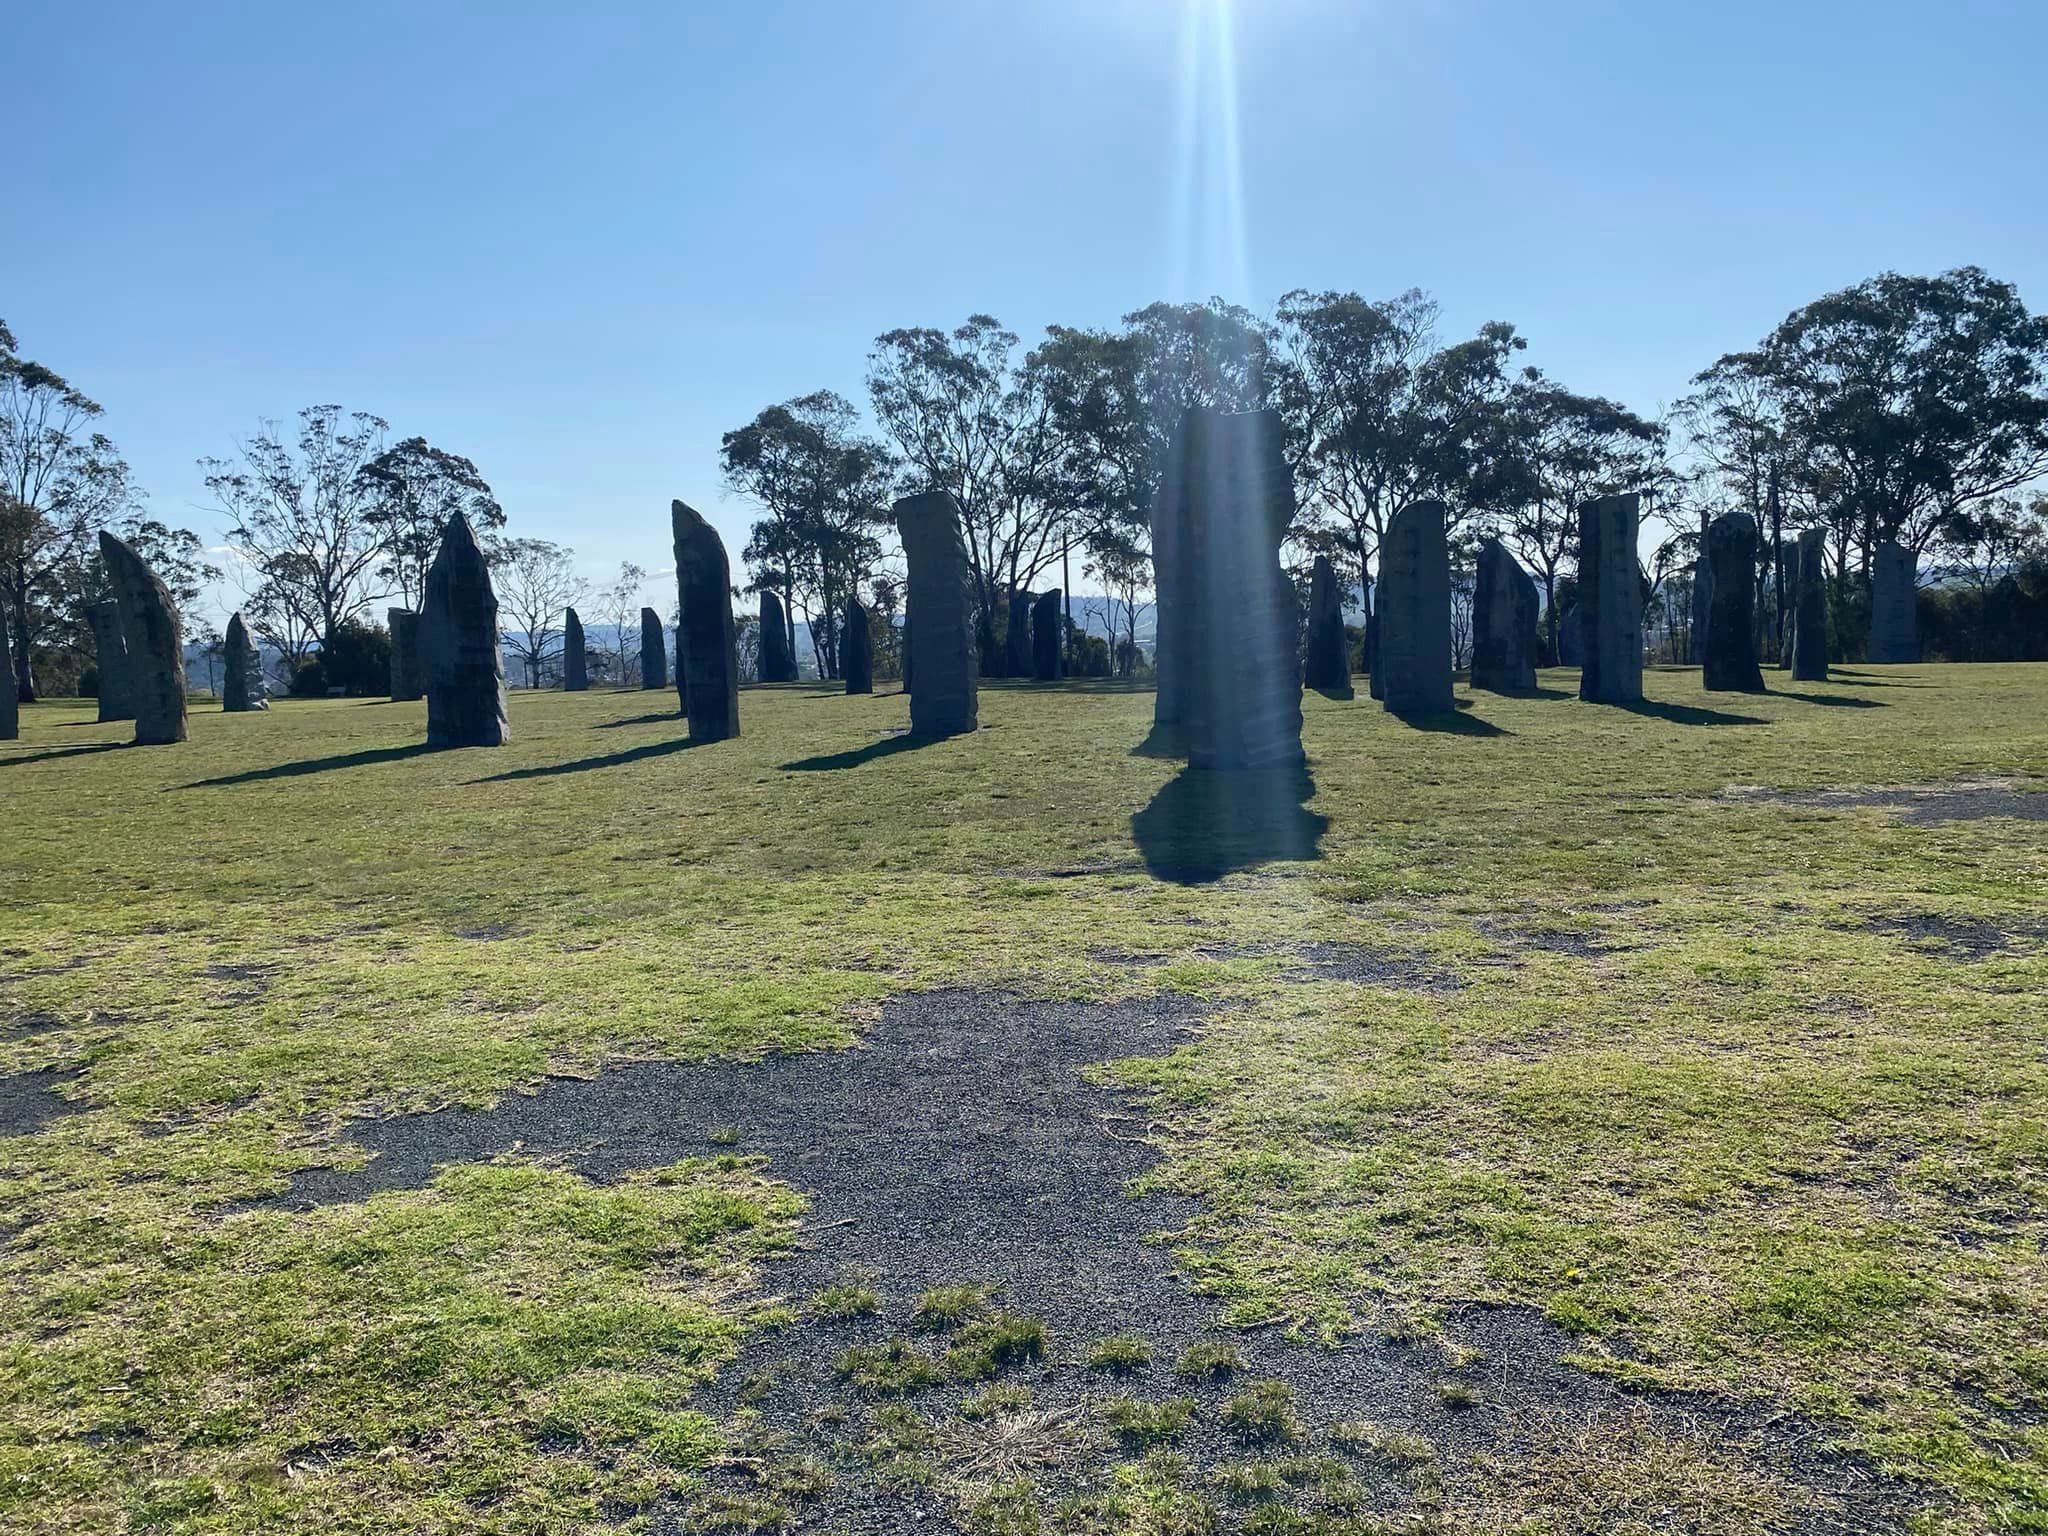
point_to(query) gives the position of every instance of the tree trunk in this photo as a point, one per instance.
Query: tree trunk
(24, 679)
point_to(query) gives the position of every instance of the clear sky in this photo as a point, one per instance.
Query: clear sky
(576, 243)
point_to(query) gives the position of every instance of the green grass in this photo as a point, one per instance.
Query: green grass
(1770, 1149)
(1119, 1352)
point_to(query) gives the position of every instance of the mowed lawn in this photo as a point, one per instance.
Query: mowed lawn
(1746, 1090)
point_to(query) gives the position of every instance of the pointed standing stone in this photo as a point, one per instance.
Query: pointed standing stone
(241, 671)
(1729, 664)
(653, 650)
(1610, 602)
(1504, 643)
(1810, 612)
(406, 682)
(110, 651)
(857, 649)
(1017, 653)
(1046, 650)
(1415, 612)
(1326, 652)
(777, 661)
(461, 664)
(942, 694)
(1894, 606)
(10, 695)
(1231, 677)
(1702, 605)
(575, 658)
(707, 651)
(156, 644)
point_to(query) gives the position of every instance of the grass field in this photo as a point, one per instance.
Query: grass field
(1744, 1085)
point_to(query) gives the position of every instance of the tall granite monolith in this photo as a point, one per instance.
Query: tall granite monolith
(1017, 653)
(1504, 642)
(707, 648)
(1894, 605)
(1231, 674)
(1702, 604)
(857, 649)
(1571, 637)
(155, 638)
(940, 650)
(241, 688)
(777, 660)
(1047, 629)
(1729, 662)
(1415, 612)
(10, 692)
(1325, 651)
(653, 650)
(1810, 612)
(407, 683)
(462, 664)
(110, 661)
(575, 657)
(1610, 602)
(1172, 622)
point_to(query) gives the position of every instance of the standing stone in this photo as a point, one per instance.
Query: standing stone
(1228, 641)
(1376, 672)
(461, 664)
(1894, 606)
(575, 659)
(941, 648)
(1017, 651)
(857, 649)
(1326, 653)
(110, 649)
(1810, 612)
(10, 695)
(707, 651)
(1786, 599)
(653, 650)
(1046, 627)
(777, 661)
(1504, 642)
(1729, 664)
(406, 681)
(1571, 638)
(1415, 612)
(156, 644)
(1610, 602)
(1172, 622)
(1702, 603)
(241, 688)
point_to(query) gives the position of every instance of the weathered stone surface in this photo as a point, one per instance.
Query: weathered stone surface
(156, 644)
(777, 661)
(707, 650)
(10, 693)
(1894, 605)
(1172, 619)
(1415, 612)
(1810, 612)
(941, 647)
(857, 649)
(110, 650)
(575, 658)
(1229, 645)
(461, 665)
(1571, 637)
(1017, 652)
(1504, 640)
(1046, 632)
(1326, 653)
(1702, 606)
(653, 650)
(1729, 663)
(1376, 673)
(407, 683)
(1610, 602)
(241, 688)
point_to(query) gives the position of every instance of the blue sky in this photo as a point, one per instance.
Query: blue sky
(578, 247)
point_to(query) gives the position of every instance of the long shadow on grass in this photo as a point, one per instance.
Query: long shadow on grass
(314, 765)
(1208, 823)
(1453, 724)
(1831, 700)
(585, 764)
(654, 719)
(888, 746)
(1686, 714)
(43, 757)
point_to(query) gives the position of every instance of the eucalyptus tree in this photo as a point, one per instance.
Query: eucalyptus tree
(413, 489)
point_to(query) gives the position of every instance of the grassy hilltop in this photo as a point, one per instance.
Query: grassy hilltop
(1631, 1018)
